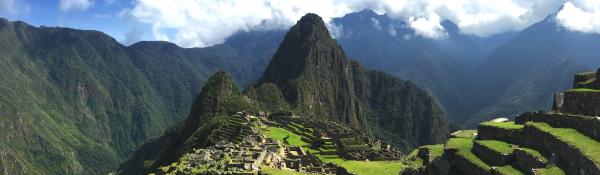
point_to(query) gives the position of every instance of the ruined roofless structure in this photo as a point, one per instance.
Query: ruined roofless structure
(583, 99)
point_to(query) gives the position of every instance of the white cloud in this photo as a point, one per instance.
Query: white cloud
(13, 7)
(67, 5)
(427, 27)
(392, 30)
(582, 16)
(133, 35)
(376, 23)
(200, 23)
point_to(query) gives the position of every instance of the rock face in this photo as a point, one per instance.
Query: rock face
(319, 81)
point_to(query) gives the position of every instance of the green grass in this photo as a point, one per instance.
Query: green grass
(508, 170)
(584, 90)
(552, 170)
(435, 150)
(280, 133)
(588, 146)
(273, 171)
(463, 147)
(365, 167)
(498, 146)
(504, 125)
(356, 167)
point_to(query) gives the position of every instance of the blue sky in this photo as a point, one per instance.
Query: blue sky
(103, 15)
(201, 23)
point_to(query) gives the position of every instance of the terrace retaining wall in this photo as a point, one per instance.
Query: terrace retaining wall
(571, 160)
(581, 103)
(490, 156)
(526, 162)
(590, 126)
(461, 165)
(495, 133)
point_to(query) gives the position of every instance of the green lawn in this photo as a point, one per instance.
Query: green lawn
(504, 125)
(356, 167)
(464, 146)
(365, 167)
(280, 133)
(498, 146)
(588, 146)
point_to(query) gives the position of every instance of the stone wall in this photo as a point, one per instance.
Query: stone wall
(490, 156)
(461, 165)
(525, 162)
(581, 103)
(589, 126)
(581, 78)
(501, 134)
(571, 160)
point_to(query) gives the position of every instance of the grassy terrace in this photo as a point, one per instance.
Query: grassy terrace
(280, 133)
(552, 170)
(534, 153)
(273, 171)
(435, 150)
(588, 146)
(463, 147)
(365, 167)
(498, 146)
(504, 125)
(508, 170)
(356, 167)
(584, 90)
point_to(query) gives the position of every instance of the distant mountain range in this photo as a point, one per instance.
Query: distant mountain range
(78, 102)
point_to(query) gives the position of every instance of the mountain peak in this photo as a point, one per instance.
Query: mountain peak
(310, 27)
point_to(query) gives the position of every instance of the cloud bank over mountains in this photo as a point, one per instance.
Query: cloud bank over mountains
(192, 23)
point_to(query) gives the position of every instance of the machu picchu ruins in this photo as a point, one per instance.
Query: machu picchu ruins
(564, 140)
(252, 143)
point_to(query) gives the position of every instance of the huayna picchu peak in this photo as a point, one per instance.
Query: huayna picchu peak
(564, 140)
(312, 103)
(319, 81)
